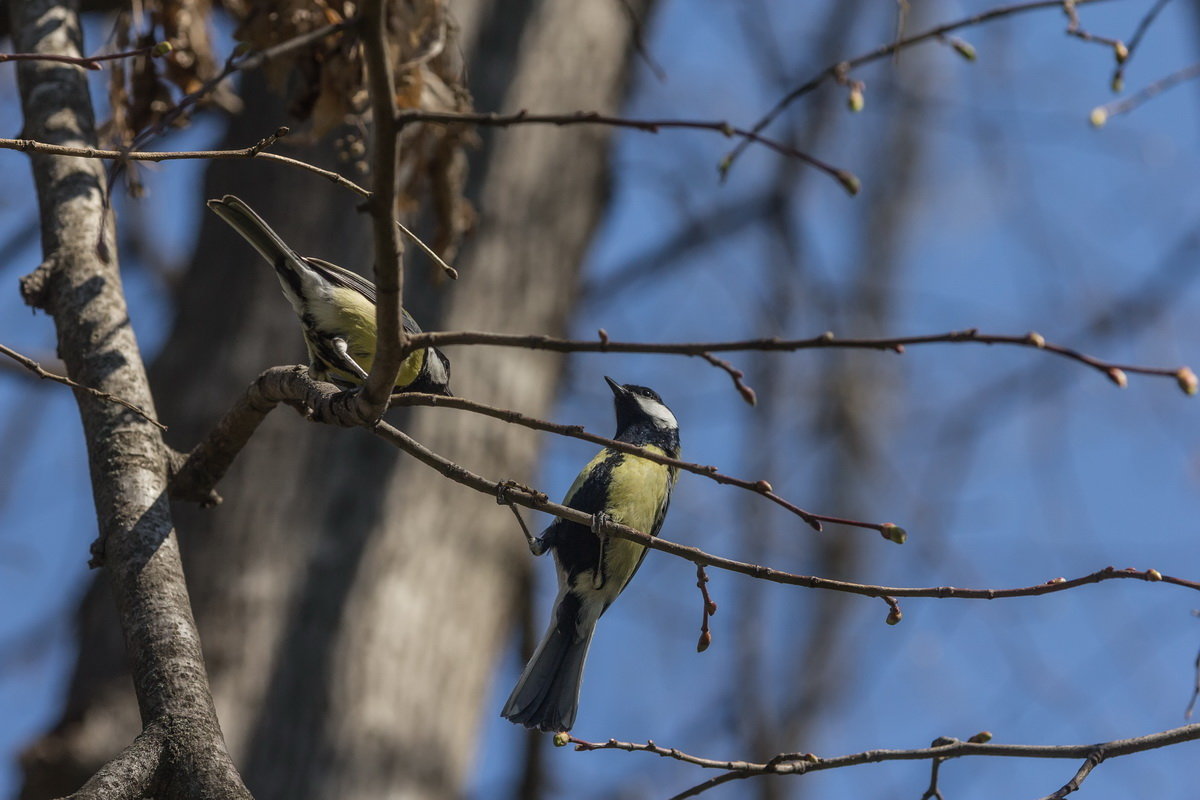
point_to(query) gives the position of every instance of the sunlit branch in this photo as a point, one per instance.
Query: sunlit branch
(323, 402)
(255, 151)
(1117, 373)
(389, 270)
(848, 181)
(801, 763)
(1118, 78)
(88, 62)
(1102, 114)
(36, 368)
(762, 487)
(834, 70)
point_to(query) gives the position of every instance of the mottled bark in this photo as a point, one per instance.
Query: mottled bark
(353, 604)
(180, 752)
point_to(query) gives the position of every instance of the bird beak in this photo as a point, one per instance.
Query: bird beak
(617, 389)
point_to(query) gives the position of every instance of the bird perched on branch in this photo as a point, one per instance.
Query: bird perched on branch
(336, 309)
(593, 569)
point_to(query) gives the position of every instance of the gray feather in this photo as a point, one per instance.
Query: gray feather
(547, 695)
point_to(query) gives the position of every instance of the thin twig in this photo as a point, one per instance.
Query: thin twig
(736, 375)
(255, 151)
(493, 119)
(761, 487)
(709, 608)
(1102, 114)
(883, 51)
(87, 62)
(1114, 372)
(801, 763)
(36, 369)
(1118, 78)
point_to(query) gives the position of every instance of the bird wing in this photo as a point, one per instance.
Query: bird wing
(352, 280)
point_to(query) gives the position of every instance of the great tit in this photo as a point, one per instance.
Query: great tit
(336, 309)
(627, 489)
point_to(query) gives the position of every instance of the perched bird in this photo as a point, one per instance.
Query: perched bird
(592, 571)
(336, 309)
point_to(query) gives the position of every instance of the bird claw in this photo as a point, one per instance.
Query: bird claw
(538, 545)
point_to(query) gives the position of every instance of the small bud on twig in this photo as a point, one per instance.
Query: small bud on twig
(964, 49)
(1118, 377)
(1098, 117)
(849, 182)
(1121, 51)
(983, 737)
(894, 616)
(1153, 575)
(161, 49)
(1036, 339)
(893, 533)
(1187, 381)
(855, 101)
(562, 739)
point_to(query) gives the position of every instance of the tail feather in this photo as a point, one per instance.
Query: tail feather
(253, 228)
(547, 695)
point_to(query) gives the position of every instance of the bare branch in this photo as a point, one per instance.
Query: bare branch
(36, 368)
(493, 119)
(389, 273)
(1118, 78)
(1102, 114)
(1114, 372)
(801, 763)
(833, 71)
(88, 62)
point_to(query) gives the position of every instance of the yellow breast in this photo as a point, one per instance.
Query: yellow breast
(352, 317)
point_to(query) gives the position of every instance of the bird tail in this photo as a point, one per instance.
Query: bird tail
(253, 229)
(547, 695)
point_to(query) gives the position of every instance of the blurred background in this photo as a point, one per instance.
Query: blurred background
(363, 620)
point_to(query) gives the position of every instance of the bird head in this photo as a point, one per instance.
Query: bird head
(638, 405)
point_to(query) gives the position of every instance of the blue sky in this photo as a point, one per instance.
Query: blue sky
(1021, 218)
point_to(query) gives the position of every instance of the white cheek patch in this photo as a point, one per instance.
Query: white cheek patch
(662, 416)
(437, 372)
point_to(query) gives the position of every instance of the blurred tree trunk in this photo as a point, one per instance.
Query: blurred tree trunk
(352, 603)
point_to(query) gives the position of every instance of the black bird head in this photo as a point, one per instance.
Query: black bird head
(640, 407)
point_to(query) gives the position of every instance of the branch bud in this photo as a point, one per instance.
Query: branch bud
(983, 737)
(161, 49)
(763, 486)
(1118, 377)
(855, 101)
(1187, 381)
(705, 641)
(1118, 83)
(893, 532)
(562, 739)
(849, 182)
(1121, 51)
(1036, 339)
(1098, 117)
(894, 616)
(964, 49)
(1153, 575)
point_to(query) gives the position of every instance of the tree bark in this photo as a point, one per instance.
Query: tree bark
(179, 751)
(353, 604)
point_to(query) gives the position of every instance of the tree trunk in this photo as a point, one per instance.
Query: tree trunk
(353, 604)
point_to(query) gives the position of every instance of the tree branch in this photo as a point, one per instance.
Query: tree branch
(79, 285)
(833, 71)
(1114, 372)
(36, 368)
(389, 274)
(493, 119)
(801, 763)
